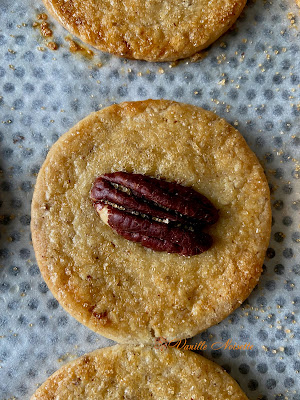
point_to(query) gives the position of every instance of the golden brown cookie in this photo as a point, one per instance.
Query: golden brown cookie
(151, 30)
(127, 372)
(119, 288)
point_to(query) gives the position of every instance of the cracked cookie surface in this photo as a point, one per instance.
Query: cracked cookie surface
(118, 288)
(127, 372)
(152, 30)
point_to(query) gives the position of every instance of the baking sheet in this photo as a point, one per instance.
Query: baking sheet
(251, 77)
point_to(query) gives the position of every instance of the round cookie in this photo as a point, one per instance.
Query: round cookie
(119, 288)
(127, 372)
(151, 30)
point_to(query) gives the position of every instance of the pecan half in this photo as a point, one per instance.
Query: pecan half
(161, 215)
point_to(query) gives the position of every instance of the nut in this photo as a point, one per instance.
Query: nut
(161, 215)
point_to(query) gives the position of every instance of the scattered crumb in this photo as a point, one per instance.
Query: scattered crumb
(52, 46)
(45, 31)
(75, 47)
(42, 16)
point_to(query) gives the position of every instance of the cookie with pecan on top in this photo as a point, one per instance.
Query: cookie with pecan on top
(152, 30)
(151, 219)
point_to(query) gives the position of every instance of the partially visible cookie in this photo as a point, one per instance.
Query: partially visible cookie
(127, 372)
(119, 288)
(151, 30)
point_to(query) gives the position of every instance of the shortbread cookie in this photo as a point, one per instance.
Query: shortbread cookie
(151, 30)
(119, 288)
(127, 372)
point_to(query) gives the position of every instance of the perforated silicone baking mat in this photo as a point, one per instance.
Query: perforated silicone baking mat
(251, 77)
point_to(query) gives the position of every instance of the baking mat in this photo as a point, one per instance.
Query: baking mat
(251, 77)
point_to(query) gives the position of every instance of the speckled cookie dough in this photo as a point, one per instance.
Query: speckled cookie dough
(154, 30)
(118, 288)
(126, 372)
